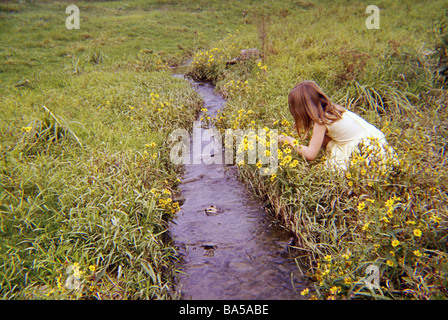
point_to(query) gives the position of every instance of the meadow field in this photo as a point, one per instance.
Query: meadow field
(87, 185)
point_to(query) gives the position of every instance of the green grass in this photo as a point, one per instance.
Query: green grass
(87, 187)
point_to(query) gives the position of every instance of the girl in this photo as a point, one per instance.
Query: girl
(338, 129)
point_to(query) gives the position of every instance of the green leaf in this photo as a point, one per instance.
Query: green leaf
(147, 267)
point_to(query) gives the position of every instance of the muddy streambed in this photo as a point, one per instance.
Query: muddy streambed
(231, 250)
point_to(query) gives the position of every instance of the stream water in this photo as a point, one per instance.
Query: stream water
(234, 253)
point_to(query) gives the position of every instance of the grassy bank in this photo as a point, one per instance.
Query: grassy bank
(393, 218)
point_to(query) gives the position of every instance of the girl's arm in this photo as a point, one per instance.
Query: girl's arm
(309, 152)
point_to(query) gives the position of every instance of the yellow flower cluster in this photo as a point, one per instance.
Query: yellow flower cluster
(371, 164)
(165, 202)
(26, 129)
(262, 68)
(208, 58)
(242, 119)
(157, 104)
(237, 88)
(334, 274)
(154, 154)
(74, 282)
(390, 204)
(206, 118)
(168, 205)
(249, 143)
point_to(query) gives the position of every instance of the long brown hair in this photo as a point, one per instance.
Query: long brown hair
(308, 104)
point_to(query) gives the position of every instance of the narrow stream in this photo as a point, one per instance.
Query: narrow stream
(233, 253)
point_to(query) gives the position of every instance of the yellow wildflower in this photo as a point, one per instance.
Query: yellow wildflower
(335, 289)
(347, 255)
(395, 243)
(389, 203)
(435, 219)
(59, 282)
(417, 232)
(305, 292)
(294, 163)
(288, 159)
(390, 263)
(390, 212)
(26, 129)
(285, 123)
(361, 206)
(417, 253)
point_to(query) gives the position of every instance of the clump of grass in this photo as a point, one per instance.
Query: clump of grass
(210, 64)
(96, 208)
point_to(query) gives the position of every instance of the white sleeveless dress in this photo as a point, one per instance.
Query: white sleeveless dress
(346, 134)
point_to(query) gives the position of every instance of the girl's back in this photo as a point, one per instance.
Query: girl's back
(351, 129)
